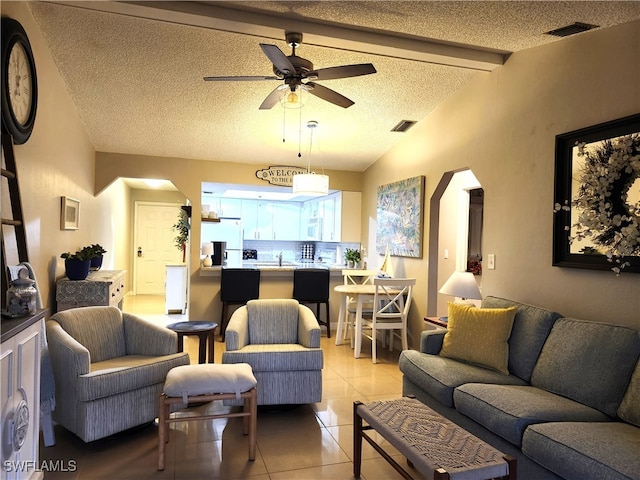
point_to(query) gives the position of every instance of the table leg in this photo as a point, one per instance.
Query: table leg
(180, 342)
(211, 348)
(202, 347)
(357, 329)
(341, 317)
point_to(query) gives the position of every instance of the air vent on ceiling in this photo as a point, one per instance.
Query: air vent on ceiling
(572, 29)
(403, 125)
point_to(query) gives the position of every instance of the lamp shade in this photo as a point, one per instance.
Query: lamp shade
(310, 184)
(462, 284)
(207, 248)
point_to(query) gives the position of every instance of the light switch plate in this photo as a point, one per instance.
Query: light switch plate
(491, 261)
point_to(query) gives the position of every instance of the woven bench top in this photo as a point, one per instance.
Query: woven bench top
(431, 441)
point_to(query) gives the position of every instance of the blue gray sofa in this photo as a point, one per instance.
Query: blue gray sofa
(569, 407)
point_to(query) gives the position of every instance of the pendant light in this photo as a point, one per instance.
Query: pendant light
(310, 183)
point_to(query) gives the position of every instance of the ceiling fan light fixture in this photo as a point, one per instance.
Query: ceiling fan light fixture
(289, 98)
(310, 184)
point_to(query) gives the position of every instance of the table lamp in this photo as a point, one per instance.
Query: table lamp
(463, 285)
(207, 251)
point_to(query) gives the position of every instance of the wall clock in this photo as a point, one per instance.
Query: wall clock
(19, 82)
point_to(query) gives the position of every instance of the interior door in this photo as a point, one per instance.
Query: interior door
(154, 246)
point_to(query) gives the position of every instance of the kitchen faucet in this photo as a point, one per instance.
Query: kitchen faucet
(280, 259)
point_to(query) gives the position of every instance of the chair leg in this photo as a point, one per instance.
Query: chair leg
(374, 341)
(326, 305)
(162, 432)
(253, 423)
(223, 315)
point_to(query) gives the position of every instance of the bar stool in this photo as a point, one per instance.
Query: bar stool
(311, 285)
(237, 287)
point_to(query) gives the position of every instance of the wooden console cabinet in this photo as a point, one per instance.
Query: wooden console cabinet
(20, 396)
(101, 288)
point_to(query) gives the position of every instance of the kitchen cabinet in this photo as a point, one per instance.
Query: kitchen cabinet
(330, 208)
(268, 220)
(286, 220)
(230, 208)
(20, 397)
(223, 206)
(256, 220)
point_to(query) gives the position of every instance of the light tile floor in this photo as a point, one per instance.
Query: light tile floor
(307, 442)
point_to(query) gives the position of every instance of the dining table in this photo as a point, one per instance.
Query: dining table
(362, 293)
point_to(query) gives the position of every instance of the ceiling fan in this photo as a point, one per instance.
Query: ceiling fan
(294, 70)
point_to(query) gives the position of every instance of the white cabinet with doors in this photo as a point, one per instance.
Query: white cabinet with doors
(286, 220)
(256, 220)
(20, 397)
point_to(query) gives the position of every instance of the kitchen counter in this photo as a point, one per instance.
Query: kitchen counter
(273, 268)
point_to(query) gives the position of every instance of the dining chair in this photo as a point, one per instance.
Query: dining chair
(311, 286)
(391, 303)
(237, 287)
(355, 277)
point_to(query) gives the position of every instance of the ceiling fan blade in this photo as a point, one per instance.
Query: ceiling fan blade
(272, 99)
(329, 95)
(239, 79)
(279, 59)
(344, 71)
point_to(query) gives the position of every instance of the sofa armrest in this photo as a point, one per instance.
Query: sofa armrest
(308, 328)
(146, 338)
(237, 333)
(69, 358)
(431, 341)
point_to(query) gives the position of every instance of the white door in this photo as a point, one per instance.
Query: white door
(154, 245)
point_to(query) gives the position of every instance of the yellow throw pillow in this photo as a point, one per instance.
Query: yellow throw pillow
(479, 335)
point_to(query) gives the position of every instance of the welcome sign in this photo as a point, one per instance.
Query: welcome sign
(279, 175)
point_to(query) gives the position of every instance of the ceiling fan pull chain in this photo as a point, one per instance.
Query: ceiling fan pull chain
(299, 132)
(284, 123)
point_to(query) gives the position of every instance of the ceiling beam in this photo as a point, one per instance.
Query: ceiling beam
(221, 17)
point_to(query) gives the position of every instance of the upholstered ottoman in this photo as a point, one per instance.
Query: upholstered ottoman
(205, 383)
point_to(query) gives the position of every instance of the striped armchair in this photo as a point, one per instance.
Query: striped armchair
(280, 339)
(109, 369)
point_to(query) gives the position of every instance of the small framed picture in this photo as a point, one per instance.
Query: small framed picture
(69, 213)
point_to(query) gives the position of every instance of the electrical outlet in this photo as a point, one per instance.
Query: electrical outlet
(491, 261)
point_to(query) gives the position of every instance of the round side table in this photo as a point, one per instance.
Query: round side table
(204, 331)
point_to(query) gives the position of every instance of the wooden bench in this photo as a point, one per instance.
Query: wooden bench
(432, 444)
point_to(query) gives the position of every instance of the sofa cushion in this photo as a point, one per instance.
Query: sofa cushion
(531, 326)
(439, 376)
(588, 362)
(273, 321)
(277, 357)
(588, 451)
(508, 410)
(124, 374)
(479, 335)
(629, 409)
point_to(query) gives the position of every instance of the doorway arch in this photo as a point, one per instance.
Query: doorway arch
(448, 230)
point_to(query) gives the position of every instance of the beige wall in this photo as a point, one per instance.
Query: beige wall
(58, 160)
(502, 125)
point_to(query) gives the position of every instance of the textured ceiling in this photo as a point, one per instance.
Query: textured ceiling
(135, 69)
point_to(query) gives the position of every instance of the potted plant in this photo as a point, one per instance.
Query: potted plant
(352, 256)
(182, 227)
(95, 253)
(76, 265)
